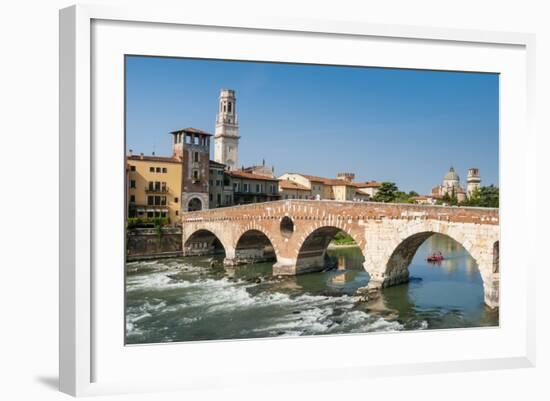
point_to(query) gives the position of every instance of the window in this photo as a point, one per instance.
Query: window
(196, 175)
(188, 139)
(246, 188)
(158, 169)
(218, 183)
(162, 214)
(236, 187)
(177, 212)
(175, 200)
(162, 200)
(210, 197)
(219, 199)
(132, 183)
(164, 170)
(258, 187)
(132, 198)
(196, 157)
(210, 183)
(132, 168)
(220, 172)
(229, 107)
(150, 200)
(150, 214)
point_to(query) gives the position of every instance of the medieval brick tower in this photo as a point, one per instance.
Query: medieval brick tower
(473, 181)
(191, 146)
(226, 148)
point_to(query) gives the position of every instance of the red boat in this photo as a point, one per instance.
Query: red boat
(435, 257)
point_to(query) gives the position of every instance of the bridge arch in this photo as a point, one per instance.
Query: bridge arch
(311, 251)
(393, 267)
(203, 242)
(253, 245)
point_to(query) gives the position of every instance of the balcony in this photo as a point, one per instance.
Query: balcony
(143, 207)
(164, 190)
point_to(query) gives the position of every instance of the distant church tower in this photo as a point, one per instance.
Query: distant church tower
(226, 148)
(473, 181)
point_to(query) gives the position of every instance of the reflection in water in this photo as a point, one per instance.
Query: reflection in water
(185, 299)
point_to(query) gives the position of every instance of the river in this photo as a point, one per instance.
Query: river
(185, 299)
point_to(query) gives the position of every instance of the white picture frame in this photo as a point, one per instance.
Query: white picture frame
(92, 38)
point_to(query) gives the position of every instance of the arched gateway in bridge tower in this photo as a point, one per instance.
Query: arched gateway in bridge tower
(297, 233)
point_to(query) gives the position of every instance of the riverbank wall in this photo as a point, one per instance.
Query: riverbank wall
(149, 243)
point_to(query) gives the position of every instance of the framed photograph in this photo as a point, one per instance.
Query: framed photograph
(243, 197)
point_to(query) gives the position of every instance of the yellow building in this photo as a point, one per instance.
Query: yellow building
(154, 187)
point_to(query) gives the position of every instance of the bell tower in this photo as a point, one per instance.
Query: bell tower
(226, 137)
(473, 181)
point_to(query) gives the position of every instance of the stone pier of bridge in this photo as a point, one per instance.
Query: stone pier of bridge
(295, 234)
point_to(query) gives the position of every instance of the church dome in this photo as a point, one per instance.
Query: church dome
(451, 175)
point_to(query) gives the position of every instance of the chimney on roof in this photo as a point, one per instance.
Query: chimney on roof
(141, 156)
(153, 152)
(263, 162)
(130, 152)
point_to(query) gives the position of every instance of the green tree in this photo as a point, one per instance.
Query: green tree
(484, 197)
(489, 196)
(386, 193)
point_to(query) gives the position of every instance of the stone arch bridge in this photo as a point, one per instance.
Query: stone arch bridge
(296, 233)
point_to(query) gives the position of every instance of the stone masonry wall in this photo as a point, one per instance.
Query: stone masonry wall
(145, 243)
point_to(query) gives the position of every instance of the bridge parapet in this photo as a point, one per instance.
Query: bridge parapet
(318, 210)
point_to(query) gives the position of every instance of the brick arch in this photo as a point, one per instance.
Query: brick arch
(313, 242)
(251, 228)
(195, 199)
(194, 242)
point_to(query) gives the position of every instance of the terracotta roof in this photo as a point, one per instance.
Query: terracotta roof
(287, 184)
(250, 176)
(216, 164)
(191, 130)
(338, 181)
(314, 178)
(162, 159)
(323, 180)
(368, 184)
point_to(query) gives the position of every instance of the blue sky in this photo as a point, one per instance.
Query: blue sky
(405, 126)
